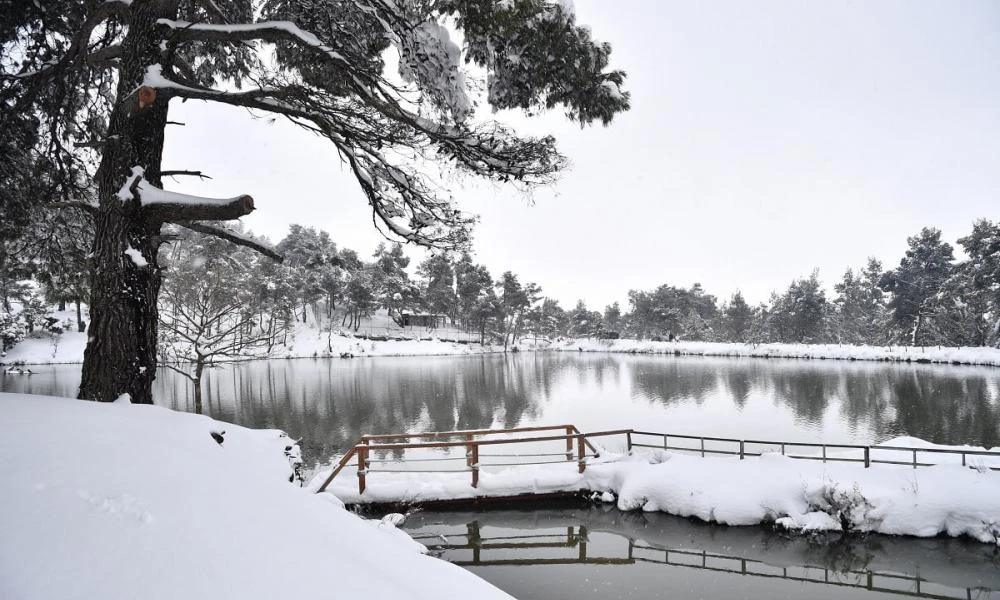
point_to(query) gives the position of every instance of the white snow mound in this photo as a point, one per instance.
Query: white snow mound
(124, 501)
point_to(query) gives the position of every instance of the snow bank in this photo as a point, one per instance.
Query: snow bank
(930, 354)
(122, 501)
(797, 494)
(47, 349)
(304, 342)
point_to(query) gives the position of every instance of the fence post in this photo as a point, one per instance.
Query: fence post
(703, 447)
(741, 449)
(468, 451)
(582, 452)
(963, 459)
(824, 452)
(362, 466)
(569, 442)
(914, 458)
(782, 449)
(475, 465)
(628, 439)
(868, 456)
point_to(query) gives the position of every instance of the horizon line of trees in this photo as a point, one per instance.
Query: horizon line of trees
(929, 298)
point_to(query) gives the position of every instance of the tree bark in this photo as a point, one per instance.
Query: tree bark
(199, 369)
(121, 350)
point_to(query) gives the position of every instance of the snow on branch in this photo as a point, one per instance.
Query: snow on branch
(231, 235)
(265, 30)
(162, 206)
(78, 46)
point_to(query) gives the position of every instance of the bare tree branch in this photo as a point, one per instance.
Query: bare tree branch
(232, 236)
(86, 207)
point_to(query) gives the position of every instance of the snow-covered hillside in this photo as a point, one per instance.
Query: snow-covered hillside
(126, 501)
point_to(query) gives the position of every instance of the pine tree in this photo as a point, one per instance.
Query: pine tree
(95, 80)
(915, 284)
(737, 319)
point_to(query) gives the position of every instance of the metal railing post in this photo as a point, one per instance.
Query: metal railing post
(868, 456)
(824, 452)
(741, 449)
(914, 458)
(702, 447)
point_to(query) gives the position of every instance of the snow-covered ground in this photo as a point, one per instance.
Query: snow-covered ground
(304, 342)
(798, 494)
(932, 354)
(121, 501)
(307, 340)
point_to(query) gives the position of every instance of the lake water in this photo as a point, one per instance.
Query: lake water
(330, 403)
(600, 553)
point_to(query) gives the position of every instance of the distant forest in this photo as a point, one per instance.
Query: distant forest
(928, 298)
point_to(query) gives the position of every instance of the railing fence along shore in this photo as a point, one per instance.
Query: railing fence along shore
(578, 447)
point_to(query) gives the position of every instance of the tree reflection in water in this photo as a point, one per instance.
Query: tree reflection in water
(330, 403)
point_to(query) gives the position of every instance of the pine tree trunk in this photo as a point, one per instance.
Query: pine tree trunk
(121, 349)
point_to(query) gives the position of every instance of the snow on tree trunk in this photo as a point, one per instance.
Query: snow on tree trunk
(121, 349)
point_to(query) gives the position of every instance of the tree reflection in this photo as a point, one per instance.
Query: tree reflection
(330, 403)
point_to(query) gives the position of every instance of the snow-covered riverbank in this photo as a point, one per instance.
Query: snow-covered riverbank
(930, 354)
(304, 342)
(797, 494)
(121, 501)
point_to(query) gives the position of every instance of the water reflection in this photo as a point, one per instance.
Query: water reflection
(330, 403)
(531, 554)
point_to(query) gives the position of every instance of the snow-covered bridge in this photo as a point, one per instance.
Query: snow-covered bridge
(904, 486)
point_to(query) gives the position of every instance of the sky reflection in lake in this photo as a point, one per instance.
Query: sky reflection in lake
(330, 403)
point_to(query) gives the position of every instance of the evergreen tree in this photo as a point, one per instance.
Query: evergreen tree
(313, 263)
(860, 308)
(737, 319)
(612, 319)
(982, 274)
(799, 315)
(95, 79)
(439, 285)
(915, 284)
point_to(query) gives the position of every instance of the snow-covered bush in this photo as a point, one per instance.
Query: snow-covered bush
(848, 506)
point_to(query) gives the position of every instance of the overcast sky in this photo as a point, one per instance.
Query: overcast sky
(766, 139)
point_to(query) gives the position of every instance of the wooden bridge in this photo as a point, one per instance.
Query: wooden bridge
(560, 444)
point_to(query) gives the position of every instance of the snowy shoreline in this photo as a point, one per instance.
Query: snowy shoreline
(798, 495)
(980, 356)
(307, 342)
(131, 501)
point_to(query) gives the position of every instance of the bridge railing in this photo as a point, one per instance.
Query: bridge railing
(867, 455)
(578, 447)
